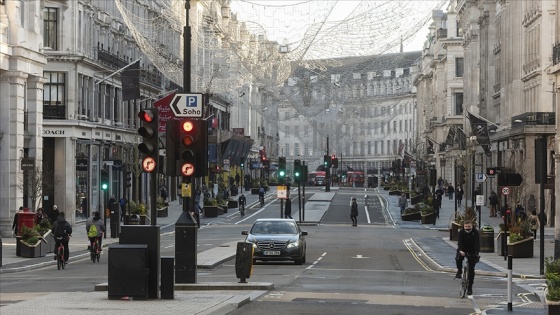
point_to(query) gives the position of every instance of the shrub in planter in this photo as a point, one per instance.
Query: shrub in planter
(552, 274)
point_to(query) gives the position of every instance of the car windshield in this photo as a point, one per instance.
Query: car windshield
(274, 227)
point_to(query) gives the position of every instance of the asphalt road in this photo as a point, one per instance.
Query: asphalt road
(366, 269)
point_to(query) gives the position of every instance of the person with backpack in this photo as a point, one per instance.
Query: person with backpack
(62, 231)
(535, 223)
(95, 229)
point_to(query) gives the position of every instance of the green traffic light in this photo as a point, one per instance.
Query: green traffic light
(296, 174)
(104, 186)
(282, 173)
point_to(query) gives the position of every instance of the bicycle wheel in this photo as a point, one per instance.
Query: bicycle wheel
(58, 263)
(465, 281)
(92, 253)
(60, 258)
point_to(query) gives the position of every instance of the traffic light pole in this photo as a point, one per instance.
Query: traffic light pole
(328, 171)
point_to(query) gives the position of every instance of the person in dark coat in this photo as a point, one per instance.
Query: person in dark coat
(288, 209)
(459, 195)
(15, 224)
(450, 191)
(54, 214)
(354, 212)
(62, 231)
(468, 246)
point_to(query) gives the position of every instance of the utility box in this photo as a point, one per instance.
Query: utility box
(114, 215)
(185, 248)
(148, 235)
(128, 271)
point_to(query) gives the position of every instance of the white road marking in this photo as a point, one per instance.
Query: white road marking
(316, 261)
(367, 215)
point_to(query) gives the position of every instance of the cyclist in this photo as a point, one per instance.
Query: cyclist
(95, 229)
(468, 246)
(242, 201)
(62, 231)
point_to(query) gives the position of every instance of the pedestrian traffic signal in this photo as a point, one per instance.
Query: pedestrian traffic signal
(149, 132)
(492, 171)
(297, 171)
(104, 179)
(281, 169)
(327, 162)
(193, 148)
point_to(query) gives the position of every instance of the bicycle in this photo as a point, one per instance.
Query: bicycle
(465, 278)
(60, 254)
(242, 209)
(94, 250)
(261, 199)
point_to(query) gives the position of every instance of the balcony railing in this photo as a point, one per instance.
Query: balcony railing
(556, 54)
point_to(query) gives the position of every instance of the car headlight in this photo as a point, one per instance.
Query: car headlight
(251, 240)
(293, 244)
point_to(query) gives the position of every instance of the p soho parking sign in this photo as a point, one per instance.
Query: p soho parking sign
(187, 105)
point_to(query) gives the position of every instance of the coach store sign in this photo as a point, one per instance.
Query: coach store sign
(48, 132)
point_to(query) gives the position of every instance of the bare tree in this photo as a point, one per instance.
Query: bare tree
(34, 182)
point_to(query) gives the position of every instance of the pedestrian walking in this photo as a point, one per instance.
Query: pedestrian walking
(288, 209)
(535, 223)
(179, 194)
(403, 202)
(450, 191)
(493, 203)
(459, 192)
(54, 214)
(40, 216)
(354, 212)
(15, 225)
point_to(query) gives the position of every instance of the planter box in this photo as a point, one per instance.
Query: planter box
(232, 204)
(162, 213)
(385, 188)
(429, 218)
(222, 209)
(521, 249)
(411, 216)
(394, 193)
(144, 220)
(30, 251)
(210, 211)
(454, 231)
(553, 306)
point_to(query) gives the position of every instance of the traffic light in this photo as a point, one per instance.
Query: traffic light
(193, 149)
(128, 176)
(335, 163)
(281, 169)
(242, 163)
(303, 169)
(104, 179)
(327, 161)
(297, 171)
(492, 171)
(149, 132)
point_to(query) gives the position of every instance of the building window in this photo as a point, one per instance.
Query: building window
(296, 131)
(50, 32)
(306, 150)
(400, 125)
(54, 95)
(305, 130)
(459, 67)
(296, 149)
(382, 148)
(287, 149)
(394, 126)
(458, 103)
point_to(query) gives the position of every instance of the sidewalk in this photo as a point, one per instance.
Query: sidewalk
(79, 242)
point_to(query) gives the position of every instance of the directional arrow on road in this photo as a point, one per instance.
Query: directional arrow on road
(360, 257)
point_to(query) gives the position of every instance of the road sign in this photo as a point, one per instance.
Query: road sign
(481, 178)
(505, 191)
(480, 200)
(187, 105)
(282, 192)
(512, 179)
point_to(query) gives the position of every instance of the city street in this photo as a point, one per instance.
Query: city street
(359, 269)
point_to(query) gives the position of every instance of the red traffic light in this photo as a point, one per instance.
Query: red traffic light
(146, 115)
(187, 126)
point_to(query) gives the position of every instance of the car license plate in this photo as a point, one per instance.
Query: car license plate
(271, 252)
